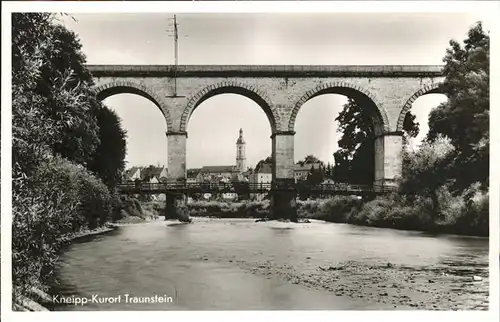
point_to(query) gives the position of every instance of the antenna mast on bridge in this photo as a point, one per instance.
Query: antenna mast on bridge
(175, 35)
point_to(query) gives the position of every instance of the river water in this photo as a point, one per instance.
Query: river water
(242, 265)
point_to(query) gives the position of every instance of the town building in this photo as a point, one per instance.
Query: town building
(216, 174)
(149, 174)
(132, 174)
(302, 171)
(262, 174)
(192, 175)
(153, 174)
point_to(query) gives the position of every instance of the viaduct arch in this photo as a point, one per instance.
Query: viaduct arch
(230, 87)
(129, 87)
(433, 88)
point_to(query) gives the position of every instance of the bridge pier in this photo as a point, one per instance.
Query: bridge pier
(283, 194)
(176, 155)
(175, 203)
(283, 200)
(388, 159)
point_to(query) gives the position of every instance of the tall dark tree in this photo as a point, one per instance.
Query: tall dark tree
(464, 118)
(109, 159)
(355, 158)
(310, 159)
(53, 105)
(329, 171)
(315, 176)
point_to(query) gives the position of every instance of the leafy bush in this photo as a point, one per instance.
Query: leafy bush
(474, 218)
(307, 207)
(153, 209)
(116, 206)
(245, 209)
(59, 199)
(95, 200)
(338, 209)
(130, 207)
(91, 195)
(38, 226)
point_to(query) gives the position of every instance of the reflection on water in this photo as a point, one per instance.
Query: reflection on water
(197, 264)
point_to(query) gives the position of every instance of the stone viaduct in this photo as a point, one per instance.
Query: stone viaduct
(386, 92)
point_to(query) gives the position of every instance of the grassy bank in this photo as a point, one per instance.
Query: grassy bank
(462, 214)
(220, 209)
(130, 210)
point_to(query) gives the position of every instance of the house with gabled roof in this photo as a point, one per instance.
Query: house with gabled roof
(132, 174)
(262, 174)
(301, 171)
(192, 175)
(153, 174)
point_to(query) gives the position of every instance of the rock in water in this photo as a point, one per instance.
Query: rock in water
(183, 216)
(185, 219)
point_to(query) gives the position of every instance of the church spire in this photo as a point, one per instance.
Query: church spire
(240, 138)
(240, 153)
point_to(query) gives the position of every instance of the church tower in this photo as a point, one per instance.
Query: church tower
(240, 153)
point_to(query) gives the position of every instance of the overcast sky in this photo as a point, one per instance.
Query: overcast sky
(322, 39)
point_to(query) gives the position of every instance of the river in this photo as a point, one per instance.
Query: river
(242, 265)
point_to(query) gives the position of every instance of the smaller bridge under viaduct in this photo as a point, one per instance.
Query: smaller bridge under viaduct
(385, 92)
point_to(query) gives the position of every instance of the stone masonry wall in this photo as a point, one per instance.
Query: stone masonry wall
(176, 156)
(281, 97)
(283, 155)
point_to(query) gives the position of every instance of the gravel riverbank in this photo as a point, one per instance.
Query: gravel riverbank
(447, 286)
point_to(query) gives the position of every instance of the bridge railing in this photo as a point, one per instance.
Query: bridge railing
(249, 187)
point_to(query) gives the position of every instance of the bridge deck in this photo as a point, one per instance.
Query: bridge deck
(267, 70)
(158, 188)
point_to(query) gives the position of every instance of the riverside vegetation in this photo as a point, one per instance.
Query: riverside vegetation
(467, 213)
(68, 152)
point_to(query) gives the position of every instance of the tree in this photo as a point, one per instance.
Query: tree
(53, 114)
(425, 170)
(53, 103)
(464, 118)
(108, 161)
(310, 159)
(268, 160)
(315, 176)
(355, 158)
(329, 171)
